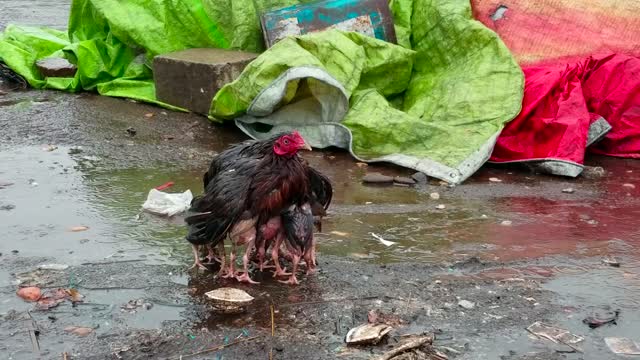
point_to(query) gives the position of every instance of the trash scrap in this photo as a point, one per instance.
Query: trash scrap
(132, 305)
(165, 186)
(557, 335)
(58, 267)
(367, 334)
(79, 228)
(229, 300)
(601, 318)
(30, 294)
(611, 261)
(622, 346)
(375, 316)
(79, 331)
(161, 203)
(383, 241)
(50, 298)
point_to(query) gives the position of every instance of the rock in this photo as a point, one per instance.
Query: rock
(56, 67)
(434, 196)
(191, 78)
(404, 180)
(506, 223)
(420, 178)
(7, 207)
(568, 190)
(377, 178)
(58, 267)
(494, 179)
(441, 207)
(594, 172)
(466, 304)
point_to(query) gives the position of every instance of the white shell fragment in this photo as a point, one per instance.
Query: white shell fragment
(229, 300)
(367, 334)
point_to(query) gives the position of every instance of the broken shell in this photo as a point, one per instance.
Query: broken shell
(367, 334)
(229, 300)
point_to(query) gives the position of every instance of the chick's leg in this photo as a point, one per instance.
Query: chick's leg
(249, 239)
(275, 251)
(293, 280)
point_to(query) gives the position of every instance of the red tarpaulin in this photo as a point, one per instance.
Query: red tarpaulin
(568, 108)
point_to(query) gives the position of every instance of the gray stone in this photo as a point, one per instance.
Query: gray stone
(420, 178)
(56, 67)
(404, 180)
(377, 178)
(569, 190)
(191, 78)
(466, 304)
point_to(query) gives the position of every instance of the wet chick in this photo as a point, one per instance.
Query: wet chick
(298, 223)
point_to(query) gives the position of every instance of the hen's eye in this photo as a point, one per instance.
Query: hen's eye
(286, 142)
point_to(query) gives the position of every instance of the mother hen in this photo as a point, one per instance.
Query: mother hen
(246, 186)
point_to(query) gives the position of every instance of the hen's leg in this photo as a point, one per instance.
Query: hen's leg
(293, 280)
(232, 261)
(308, 260)
(211, 255)
(196, 256)
(250, 241)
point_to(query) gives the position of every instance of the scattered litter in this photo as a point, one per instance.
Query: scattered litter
(593, 172)
(630, 186)
(30, 294)
(506, 223)
(466, 304)
(79, 331)
(339, 233)
(622, 346)
(415, 344)
(79, 228)
(569, 190)
(164, 186)
(611, 261)
(168, 204)
(33, 183)
(57, 267)
(494, 179)
(361, 164)
(133, 305)
(434, 196)
(441, 207)
(131, 131)
(499, 13)
(148, 115)
(557, 335)
(377, 178)
(601, 318)
(383, 241)
(230, 300)
(367, 334)
(49, 148)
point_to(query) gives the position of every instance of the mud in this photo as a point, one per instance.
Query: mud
(67, 160)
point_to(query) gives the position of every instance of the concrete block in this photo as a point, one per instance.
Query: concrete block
(191, 78)
(56, 67)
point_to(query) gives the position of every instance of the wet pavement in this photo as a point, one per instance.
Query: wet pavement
(521, 249)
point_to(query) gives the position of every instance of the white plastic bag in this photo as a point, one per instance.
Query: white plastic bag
(162, 203)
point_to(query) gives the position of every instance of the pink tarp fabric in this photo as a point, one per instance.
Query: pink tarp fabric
(567, 108)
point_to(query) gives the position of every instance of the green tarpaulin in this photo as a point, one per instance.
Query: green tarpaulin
(434, 103)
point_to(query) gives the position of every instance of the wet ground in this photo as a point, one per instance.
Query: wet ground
(521, 249)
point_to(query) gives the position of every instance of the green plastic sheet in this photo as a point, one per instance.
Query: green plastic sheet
(435, 102)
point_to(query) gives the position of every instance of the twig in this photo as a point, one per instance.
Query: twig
(113, 262)
(327, 301)
(220, 347)
(405, 347)
(273, 332)
(32, 329)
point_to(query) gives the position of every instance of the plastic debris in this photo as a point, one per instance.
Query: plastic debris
(441, 207)
(165, 186)
(168, 204)
(602, 318)
(79, 331)
(79, 228)
(339, 233)
(30, 293)
(611, 261)
(622, 346)
(506, 223)
(434, 196)
(569, 190)
(555, 334)
(383, 241)
(367, 334)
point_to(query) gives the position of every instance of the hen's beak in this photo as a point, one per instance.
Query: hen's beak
(306, 146)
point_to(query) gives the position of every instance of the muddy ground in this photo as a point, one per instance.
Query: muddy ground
(521, 249)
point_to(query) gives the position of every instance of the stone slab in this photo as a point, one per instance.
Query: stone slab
(191, 78)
